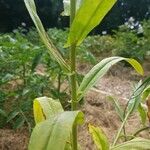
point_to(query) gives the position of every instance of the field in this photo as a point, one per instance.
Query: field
(66, 89)
(98, 110)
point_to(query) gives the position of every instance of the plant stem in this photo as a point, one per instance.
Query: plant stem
(124, 132)
(119, 131)
(140, 130)
(73, 76)
(73, 95)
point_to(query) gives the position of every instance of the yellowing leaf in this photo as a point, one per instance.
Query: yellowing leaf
(38, 112)
(136, 66)
(54, 133)
(45, 107)
(99, 138)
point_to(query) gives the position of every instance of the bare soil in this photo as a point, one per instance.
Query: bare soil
(98, 111)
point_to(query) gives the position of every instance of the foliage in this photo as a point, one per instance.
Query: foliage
(99, 138)
(102, 143)
(146, 34)
(97, 12)
(17, 55)
(98, 44)
(81, 24)
(24, 64)
(55, 126)
(134, 103)
(21, 73)
(128, 43)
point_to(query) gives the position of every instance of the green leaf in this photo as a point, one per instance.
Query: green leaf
(135, 65)
(36, 60)
(142, 113)
(135, 144)
(146, 93)
(137, 94)
(7, 77)
(12, 115)
(118, 108)
(45, 107)
(99, 70)
(54, 133)
(89, 15)
(3, 113)
(30, 5)
(99, 138)
(19, 122)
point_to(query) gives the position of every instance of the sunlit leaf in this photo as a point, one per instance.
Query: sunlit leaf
(45, 107)
(99, 138)
(89, 15)
(99, 70)
(54, 133)
(136, 97)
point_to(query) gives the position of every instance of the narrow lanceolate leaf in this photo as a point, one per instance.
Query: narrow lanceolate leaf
(44, 108)
(118, 108)
(30, 5)
(146, 93)
(100, 70)
(137, 95)
(99, 138)
(89, 15)
(143, 113)
(54, 133)
(135, 144)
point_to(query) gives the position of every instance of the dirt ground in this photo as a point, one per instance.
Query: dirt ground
(98, 111)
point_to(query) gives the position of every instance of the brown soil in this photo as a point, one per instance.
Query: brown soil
(13, 140)
(98, 112)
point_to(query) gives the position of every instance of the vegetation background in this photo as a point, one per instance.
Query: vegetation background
(13, 13)
(27, 71)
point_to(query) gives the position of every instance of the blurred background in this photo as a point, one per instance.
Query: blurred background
(13, 13)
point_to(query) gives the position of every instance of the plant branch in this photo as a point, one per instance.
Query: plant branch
(120, 129)
(140, 130)
(73, 76)
(124, 132)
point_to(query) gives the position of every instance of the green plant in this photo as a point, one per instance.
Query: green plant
(49, 116)
(15, 64)
(127, 42)
(140, 94)
(99, 44)
(23, 66)
(146, 34)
